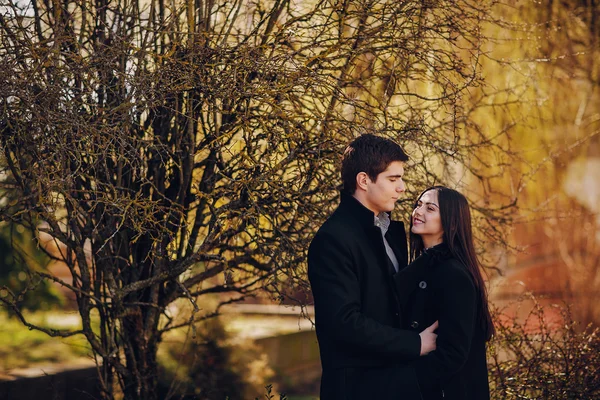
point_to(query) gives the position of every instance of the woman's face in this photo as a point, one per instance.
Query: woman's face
(426, 219)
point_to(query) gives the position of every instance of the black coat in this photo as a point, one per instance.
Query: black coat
(439, 287)
(364, 353)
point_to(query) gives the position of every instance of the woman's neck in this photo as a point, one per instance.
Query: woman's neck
(429, 242)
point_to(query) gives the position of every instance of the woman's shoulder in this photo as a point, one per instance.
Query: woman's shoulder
(451, 269)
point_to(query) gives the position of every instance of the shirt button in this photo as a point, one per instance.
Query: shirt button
(414, 325)
(422, 284)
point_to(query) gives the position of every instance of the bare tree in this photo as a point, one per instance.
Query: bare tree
(178, 149)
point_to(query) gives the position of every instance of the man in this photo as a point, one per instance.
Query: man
(351, 261)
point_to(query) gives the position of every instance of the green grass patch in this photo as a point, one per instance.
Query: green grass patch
(21, 347)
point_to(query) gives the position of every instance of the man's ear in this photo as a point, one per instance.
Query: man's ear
(362, 180)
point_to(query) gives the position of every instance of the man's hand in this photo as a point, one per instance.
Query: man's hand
(428, 339)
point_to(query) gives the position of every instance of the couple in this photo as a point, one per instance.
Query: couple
(375, 315)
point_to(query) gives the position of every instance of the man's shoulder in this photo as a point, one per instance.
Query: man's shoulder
(339, 223)
(339, 230)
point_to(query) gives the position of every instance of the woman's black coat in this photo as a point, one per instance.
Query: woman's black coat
(364, 353)
(439, 287)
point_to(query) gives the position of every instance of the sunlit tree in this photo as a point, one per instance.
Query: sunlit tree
(544, 68)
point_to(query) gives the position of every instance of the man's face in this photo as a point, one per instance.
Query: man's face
(382, 194)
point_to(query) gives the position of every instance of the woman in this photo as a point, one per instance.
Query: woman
(444, 283)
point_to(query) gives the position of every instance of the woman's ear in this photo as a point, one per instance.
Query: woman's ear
(362, 180)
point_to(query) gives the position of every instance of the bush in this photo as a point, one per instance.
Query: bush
(546, 355)
(214, 367)
(20, 260)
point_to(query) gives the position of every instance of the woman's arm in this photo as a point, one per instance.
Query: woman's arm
(457, 304)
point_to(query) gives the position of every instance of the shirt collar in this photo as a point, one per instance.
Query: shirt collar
(366, 217)
(382, 221)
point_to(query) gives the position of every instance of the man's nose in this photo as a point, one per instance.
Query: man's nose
(401, 187)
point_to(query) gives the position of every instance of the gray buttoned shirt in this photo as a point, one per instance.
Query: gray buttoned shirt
(382, 221)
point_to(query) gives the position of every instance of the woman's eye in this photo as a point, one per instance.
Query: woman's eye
(431, 209)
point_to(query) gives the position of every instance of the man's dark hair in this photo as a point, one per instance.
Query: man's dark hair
(369, 154)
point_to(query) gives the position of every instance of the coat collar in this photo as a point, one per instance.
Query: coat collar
(349, 204)
(438, 252)
(365, 218)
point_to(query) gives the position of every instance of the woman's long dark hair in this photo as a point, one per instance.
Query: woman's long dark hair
(458, 236)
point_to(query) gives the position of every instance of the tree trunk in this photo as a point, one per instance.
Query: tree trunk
(141, 382)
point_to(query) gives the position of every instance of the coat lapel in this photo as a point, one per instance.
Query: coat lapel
(396, 238)
(407, 279)
(374, 234)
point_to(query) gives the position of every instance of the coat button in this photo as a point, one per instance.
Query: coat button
(422, 284)
(414, 325)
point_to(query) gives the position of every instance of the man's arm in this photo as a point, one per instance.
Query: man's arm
(336, 292)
